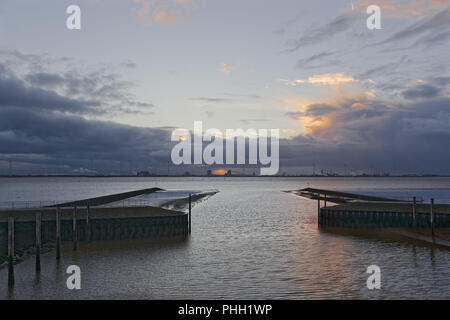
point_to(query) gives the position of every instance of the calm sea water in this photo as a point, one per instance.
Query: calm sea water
(249, 241)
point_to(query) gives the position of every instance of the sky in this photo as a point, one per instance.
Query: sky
(105, 98)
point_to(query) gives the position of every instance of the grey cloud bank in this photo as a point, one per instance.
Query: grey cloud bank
(41, 129)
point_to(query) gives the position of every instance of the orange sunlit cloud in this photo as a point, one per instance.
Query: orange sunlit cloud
(318, 117)
(163, 12)
(315, 125)
(324, 79)
(226, 69)
(331, 78)
(164, 17)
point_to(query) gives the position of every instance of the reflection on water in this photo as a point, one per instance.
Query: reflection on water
(250, 240)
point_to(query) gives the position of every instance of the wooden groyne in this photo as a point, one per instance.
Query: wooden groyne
(424, 221)
(104, 224)
(385, 215)
(85, 220)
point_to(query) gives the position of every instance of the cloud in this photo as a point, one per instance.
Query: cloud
(317, 60)
(429, 27)
(361, 133)
(318, 110)
(425, 91)
(331, 78)
(292, 83)
(73, 140)
(165, 12)
(250, 96)
(324, 79)
(295, 115)
(356, 120)
(48, 124)
(440, 81)
(384, 69)
(356, 132)
(100, 91)
(211, 100)
(14, 92)
(312, 36)
(48, 118)
(433, 40)
(45, 79)
(416, 9)
(226, 69)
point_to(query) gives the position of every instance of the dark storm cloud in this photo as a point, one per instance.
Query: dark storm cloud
(98, 90)
(14, 92)
(42, 117)
(412, 137)
(399, 138)
(421, 91)
(319, 110)
(45, 79)
(73, 138)
(440, 81)
(312, 110)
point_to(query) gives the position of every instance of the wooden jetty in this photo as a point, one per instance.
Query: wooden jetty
(86, 220)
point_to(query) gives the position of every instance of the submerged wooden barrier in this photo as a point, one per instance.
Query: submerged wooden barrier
(83, 221)
(11, 253)
(385, 215)
(27, 229)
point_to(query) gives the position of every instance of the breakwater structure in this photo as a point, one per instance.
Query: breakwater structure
(112, 217)
(414, 219)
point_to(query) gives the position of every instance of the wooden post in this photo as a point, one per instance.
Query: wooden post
(10, 251)
(58, 233)
(319, 219)
(88, 228)
(74, 228)
(190, 217)
(432, 218)
(318, 202)
(38, 242)
(414, 211)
